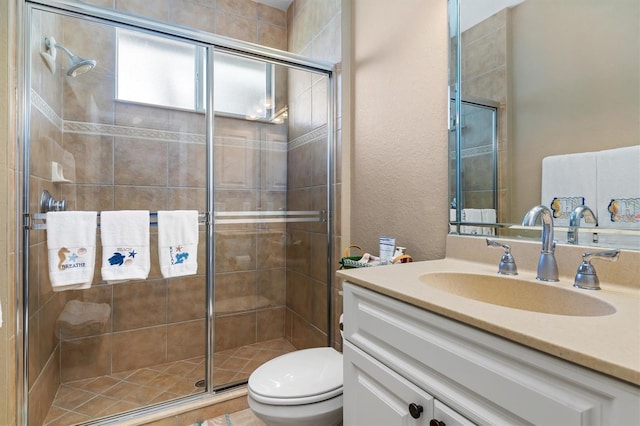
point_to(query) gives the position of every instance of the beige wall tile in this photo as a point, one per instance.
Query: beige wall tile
(245, 8)
(140, 162)
(319, 305)
(187, 165)
(100, 46)
(42, 393)
(186, 340)
(86, 357)
(160, 9)
(139, 304)
(303, 335)
(233, 331)
(139, 348)
(236, 26)
(94, 197)
(89, 97)
(140, 198)
(93, 156)
(299, 295)
(270, 324)
(271, 249)
(235, 252)
(272, 36)
(271, 288)
(187, 298)
(235, 292)
(150, 117)
(47, 323)
(192, 14)
(272, 16)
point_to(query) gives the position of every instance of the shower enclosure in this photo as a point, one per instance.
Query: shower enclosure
(473, 184)
(170, 118)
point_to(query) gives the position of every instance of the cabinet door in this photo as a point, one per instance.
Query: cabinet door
(445, 416)
(376, 396)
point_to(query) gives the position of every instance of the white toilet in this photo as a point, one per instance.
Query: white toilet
(302, 388)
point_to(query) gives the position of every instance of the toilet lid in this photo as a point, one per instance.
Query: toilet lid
(300, 377)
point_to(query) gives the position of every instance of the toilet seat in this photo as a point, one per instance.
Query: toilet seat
(301, 377)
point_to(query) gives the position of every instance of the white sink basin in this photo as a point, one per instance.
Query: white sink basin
(520, 294)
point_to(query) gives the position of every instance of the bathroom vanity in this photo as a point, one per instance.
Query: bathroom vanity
(418, 354)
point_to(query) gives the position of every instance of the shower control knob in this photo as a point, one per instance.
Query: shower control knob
(415, 410)
(435, 422)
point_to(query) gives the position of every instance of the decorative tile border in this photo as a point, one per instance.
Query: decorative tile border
(313, 136)
(68, 126)
(131, 132)
(49, 113)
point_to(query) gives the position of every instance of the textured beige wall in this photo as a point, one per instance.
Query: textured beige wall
(584, 86)
(399, 124)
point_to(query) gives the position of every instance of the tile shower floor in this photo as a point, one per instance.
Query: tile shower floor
(84, 400)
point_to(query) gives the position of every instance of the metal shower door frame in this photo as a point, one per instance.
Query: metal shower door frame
(211, 43)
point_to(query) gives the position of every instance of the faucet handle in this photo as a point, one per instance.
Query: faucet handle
(586, 277)
(507, 262)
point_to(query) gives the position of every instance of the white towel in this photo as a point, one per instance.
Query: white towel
(125, 245)
(488, 216)
(452, 218)
(178, 242)
(471, 215)
(71, 246)
(568, 181)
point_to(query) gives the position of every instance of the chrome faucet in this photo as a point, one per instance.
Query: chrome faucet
(507, 262)
(547, 265)
(574, 222)
(586, 276)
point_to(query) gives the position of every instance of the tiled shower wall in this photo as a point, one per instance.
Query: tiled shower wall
(484, 75)
(44, 305)
(314, 30)
(156, 320)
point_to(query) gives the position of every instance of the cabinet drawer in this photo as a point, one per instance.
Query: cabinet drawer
(375, 395)
(485, 377)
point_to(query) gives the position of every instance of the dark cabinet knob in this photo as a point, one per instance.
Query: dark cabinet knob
(435, 422)
(415, 410)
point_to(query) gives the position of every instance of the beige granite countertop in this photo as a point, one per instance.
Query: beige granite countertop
(609, 344)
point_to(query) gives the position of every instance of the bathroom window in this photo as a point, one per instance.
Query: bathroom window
(160, 71)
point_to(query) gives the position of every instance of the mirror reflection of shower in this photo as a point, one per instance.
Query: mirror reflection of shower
(77, 64)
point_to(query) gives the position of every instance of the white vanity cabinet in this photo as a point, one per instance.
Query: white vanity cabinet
(396, 354)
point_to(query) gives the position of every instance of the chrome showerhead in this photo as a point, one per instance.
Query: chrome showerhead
(77, 65)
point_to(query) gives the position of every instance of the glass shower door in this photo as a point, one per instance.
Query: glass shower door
(477, 175)
(254, 157)
(270, 218)
(116, 346)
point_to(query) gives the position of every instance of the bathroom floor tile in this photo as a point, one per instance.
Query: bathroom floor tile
(92, 398)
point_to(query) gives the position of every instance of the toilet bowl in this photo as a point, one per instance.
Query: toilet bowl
(301, 388)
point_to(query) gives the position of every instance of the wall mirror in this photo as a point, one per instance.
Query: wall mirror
(545, 109)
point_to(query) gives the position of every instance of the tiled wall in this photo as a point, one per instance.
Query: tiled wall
(44, 305)
(484, 75)
(314, 30)
(117, 169)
